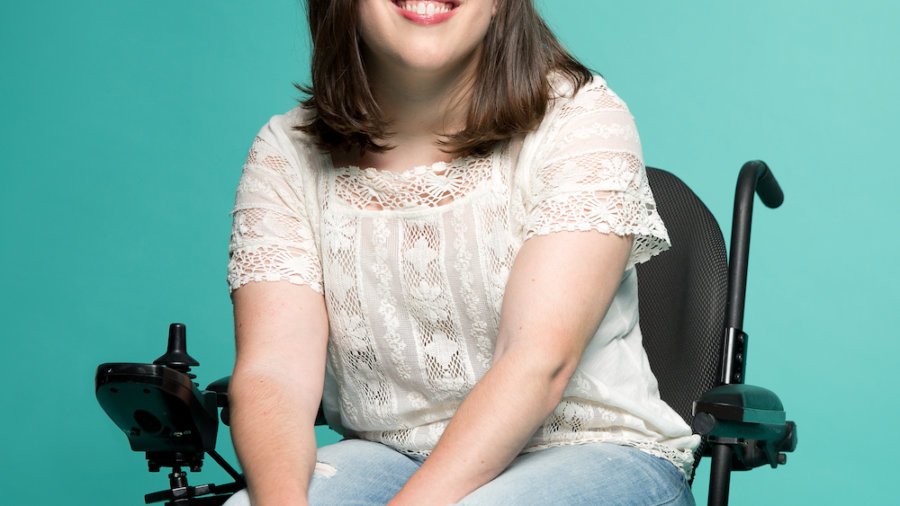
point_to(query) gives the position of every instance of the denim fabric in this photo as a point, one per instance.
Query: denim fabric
(362, 473)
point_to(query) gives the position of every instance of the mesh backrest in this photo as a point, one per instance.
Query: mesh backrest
(682, 294)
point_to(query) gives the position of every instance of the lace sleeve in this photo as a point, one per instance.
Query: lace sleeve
(592, 175)
(271, 238)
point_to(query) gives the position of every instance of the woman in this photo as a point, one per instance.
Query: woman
(443, 239)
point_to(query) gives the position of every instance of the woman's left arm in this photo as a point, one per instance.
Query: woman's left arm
(558, 291)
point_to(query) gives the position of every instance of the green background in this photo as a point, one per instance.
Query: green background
(125, 125)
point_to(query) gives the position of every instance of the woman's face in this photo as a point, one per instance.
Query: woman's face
(425, 36)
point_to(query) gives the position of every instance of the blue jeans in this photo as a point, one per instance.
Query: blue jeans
(362, 473)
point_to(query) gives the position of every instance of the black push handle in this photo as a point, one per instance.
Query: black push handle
(755, 177)
(767, 187)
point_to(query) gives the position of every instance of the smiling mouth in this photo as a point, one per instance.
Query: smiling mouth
(425, 8)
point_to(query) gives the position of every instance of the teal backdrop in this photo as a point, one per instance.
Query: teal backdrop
(124, 128)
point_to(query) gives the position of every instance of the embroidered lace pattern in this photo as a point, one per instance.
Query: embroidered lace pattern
(403, 294)
(594, 177)
(270, 236)
(413, 267)
(420, 187)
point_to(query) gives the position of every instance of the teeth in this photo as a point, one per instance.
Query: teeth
(426, 8)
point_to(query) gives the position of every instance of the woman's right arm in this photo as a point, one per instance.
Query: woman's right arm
(281, 326)
(281, 333)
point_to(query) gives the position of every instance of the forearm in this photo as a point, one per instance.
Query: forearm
(274, 437)
(281, 333)
(490, 428)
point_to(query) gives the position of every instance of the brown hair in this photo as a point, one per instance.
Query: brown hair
(509, 96)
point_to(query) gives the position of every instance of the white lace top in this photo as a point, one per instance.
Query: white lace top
(413, 267)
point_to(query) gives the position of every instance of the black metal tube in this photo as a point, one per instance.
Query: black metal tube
(720, 475)
(755, 177)
(227, 467)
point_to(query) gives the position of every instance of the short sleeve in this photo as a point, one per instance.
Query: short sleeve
(590, 175)
(271, 236)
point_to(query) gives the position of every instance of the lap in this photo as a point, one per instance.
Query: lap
(358, 473)
(590, 474)
(362, 473)
(353, 473)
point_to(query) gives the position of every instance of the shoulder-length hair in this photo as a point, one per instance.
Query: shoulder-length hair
(509, 96)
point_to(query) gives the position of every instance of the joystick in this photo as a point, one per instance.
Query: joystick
(176, 355)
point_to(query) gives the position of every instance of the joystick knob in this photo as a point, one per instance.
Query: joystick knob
(176, 356)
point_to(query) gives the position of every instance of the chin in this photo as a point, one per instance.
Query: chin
(430, 55)
(431, 65)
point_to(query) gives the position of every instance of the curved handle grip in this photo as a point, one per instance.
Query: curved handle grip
(767, 186)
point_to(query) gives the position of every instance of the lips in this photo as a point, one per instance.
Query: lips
(426, 12)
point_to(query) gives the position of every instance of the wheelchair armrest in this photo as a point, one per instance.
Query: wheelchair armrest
(220, 387)
(741, 403)
(749, 417)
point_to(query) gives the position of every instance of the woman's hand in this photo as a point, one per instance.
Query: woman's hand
(558, 291)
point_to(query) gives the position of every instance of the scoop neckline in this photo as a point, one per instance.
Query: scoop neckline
(411, 172)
